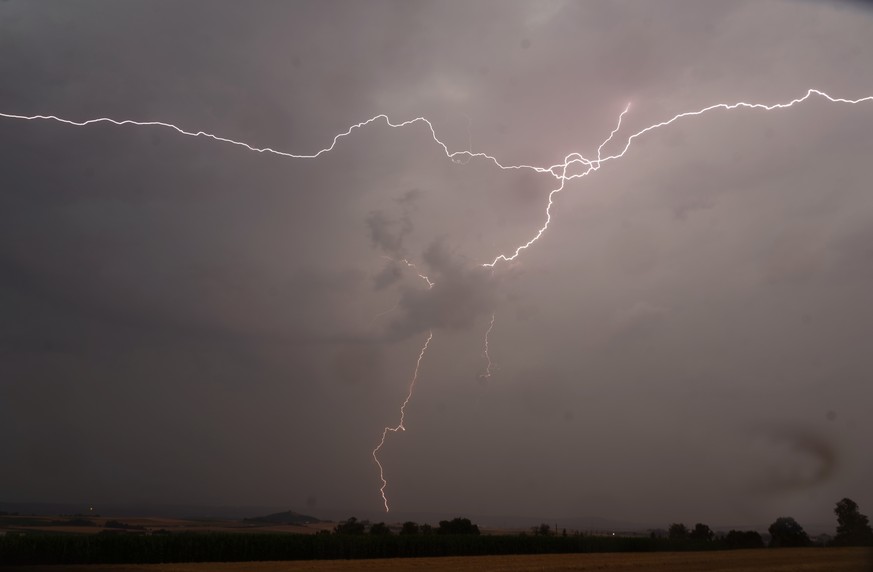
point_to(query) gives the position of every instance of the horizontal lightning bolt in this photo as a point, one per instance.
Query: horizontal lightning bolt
(270, 150)
(559, 171)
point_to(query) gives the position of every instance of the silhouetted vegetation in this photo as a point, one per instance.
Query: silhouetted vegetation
(350, 526)
(457, 526)
(785, 531)
(410, 527)
(701, 532)
(380, 528)
(119, 542)
(853, 528)
(234, 547)
(743, 539)
(677, 531)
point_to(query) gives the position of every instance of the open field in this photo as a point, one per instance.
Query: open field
(762, 560)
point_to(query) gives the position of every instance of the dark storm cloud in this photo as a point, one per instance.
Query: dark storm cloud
(389, 275)
(800, 458)
(461, 295)
(186, 321)
(387, 234)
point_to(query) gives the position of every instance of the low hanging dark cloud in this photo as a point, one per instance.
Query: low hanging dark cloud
(801, 458)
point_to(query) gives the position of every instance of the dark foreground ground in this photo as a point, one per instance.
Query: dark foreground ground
(761, 560)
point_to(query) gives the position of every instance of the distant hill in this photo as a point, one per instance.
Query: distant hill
(287, 517)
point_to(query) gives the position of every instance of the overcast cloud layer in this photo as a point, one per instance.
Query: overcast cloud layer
(184, 321)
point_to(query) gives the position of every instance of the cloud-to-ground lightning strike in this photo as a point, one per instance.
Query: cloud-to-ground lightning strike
(560, 171)
(400, 426)
(485, 351)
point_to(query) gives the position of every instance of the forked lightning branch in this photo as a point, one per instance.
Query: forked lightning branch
(562, 172)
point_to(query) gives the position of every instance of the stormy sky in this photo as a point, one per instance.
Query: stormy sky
(186, 321)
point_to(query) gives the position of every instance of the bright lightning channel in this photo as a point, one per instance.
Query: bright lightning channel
(412, 265)
(559, 171)
(594, 165)
(485, 352)
(400, 426)
(568, 160)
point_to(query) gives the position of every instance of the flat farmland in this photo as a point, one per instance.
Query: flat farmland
(94, 525)
(762, 560)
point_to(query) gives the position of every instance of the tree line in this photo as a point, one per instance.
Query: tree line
(455, 526)
(353, 539)
(853, 529)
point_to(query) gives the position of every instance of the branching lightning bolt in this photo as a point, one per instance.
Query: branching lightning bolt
(568, 160)
(559, 171)
(594, 165)
(400, 426)
(420, 275)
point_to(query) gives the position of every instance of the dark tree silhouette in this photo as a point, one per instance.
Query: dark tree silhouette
(677, 531)
(457, 526)
(701, 532)
(350, 526)
(542, 530)
(853, 528)
(744, 539)
(380, 528)
(786, 532)
(409, 527)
